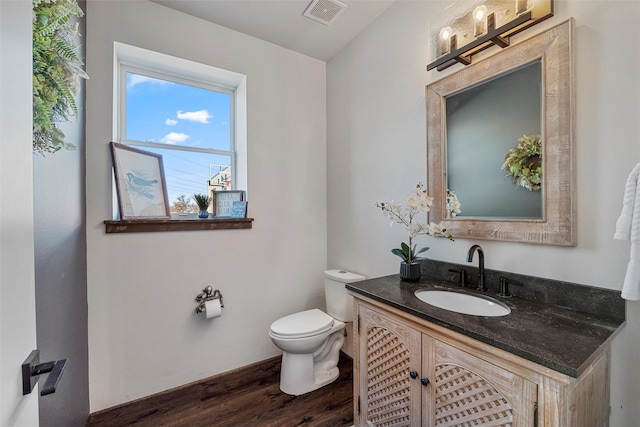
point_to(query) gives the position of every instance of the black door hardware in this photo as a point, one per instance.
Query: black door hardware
(32, 369)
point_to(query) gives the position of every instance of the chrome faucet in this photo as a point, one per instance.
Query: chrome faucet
(472, 250)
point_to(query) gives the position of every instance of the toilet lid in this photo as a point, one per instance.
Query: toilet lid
(304, 323)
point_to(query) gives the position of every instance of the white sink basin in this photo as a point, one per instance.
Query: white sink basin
(477, 305)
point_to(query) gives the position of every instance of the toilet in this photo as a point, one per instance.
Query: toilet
(311, 340)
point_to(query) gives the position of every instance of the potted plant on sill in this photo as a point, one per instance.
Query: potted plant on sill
(418, 202)
(203, 201)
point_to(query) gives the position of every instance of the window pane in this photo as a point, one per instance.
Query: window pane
(187, 173)
(178, 114)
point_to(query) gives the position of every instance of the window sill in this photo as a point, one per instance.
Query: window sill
(152, 225)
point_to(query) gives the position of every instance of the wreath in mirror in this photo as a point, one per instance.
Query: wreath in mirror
(524, 162)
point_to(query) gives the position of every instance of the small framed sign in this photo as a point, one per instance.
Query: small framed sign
(223, 201)
(239, 209)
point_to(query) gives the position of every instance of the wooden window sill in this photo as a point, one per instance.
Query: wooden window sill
(177, 224)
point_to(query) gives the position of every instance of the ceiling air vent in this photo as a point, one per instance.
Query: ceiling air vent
(324, 11)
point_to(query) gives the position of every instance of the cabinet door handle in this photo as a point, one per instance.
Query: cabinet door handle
(413, 374)
(425, 381)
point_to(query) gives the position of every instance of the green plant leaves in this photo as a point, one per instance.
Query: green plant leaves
(202, 200)
(524, 162)
(420, 251)
(57, 68)
(407, 253)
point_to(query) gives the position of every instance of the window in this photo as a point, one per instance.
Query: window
(190, 113)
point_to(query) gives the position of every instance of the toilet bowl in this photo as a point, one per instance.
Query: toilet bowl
(311, 340)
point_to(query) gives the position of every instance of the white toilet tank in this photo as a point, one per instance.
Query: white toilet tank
(339, 303)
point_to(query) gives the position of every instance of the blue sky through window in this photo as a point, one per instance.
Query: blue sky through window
(180, 115)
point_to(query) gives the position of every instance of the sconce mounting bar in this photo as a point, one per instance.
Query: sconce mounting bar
(494, 36)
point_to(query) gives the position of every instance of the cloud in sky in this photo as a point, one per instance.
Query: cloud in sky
(201, 116)
(174, 138)
(170, 122)
(136, 79)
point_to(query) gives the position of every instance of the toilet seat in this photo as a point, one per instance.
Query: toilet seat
(303, 324)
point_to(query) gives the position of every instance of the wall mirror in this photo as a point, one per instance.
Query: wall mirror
(476, 116)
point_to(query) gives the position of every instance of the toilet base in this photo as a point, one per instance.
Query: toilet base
(303, 373)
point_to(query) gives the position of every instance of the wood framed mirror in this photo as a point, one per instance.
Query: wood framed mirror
(546, 60)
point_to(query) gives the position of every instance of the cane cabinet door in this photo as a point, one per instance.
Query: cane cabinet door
(465, 390)
(389, 382)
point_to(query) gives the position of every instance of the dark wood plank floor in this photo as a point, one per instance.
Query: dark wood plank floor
(248, 396)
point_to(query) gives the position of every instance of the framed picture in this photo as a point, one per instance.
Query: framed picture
(239, 209)
(140, 183)
(223, 201)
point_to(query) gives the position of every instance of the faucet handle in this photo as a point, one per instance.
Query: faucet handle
(462, 276)
(504, 287)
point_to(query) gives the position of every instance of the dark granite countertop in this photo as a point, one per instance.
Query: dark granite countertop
(555, 336)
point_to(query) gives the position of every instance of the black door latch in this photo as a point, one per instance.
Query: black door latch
(32, 369)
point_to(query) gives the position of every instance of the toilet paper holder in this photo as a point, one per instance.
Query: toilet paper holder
(208, 294)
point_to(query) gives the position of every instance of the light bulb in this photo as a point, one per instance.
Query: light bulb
(444, 43)
(445, 33)
(480, 20)
(480, 13)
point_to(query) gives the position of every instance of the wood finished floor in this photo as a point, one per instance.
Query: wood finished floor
(249, 397)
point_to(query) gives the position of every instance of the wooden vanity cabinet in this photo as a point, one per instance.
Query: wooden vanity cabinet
(411, 372)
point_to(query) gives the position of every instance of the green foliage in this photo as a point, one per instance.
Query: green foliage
(408, 253)
(57, 69)
(202, 200)
(524, 162)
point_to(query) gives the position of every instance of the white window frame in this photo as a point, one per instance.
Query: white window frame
(165, 67)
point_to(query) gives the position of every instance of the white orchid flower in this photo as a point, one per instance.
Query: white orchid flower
(418, 202)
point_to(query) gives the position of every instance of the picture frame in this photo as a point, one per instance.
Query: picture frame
(239, 209)
(140, 183)
(223, 201)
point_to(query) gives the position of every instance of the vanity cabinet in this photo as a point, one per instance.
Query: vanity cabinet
(411, 372)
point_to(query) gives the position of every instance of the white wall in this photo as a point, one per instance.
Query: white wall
(17, 289)
(144, 336)
(376, 151)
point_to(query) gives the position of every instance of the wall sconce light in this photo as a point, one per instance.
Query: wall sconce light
(491, 24)
(479, 21)
(444, 41)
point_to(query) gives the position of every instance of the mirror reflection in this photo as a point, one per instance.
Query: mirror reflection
(483, 124)
(541, 115)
